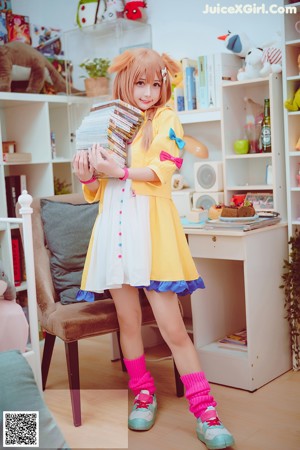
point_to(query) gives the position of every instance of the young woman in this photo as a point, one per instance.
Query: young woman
(138, 241)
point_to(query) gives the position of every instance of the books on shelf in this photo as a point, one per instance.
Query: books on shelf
(235, 341)
(113, 125)
(212, 70)
(17, 157)
(14, 185)
(189, 72)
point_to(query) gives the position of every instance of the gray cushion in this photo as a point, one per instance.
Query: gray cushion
(19, 392)
(67, 229)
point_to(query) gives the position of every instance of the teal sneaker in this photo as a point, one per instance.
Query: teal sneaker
(142, 416)
(211, 432)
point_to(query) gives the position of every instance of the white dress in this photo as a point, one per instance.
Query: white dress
(121, 252)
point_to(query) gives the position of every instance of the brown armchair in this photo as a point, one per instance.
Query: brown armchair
(74, 321)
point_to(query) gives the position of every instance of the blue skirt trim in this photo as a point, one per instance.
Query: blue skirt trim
(85, 295)
(179, 287)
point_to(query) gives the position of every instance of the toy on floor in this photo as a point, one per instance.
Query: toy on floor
(294, 103)
(21, 62)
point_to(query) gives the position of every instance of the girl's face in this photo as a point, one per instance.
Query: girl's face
(146, 94)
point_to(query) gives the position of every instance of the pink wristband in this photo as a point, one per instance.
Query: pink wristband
(91, 180)
(126, 174)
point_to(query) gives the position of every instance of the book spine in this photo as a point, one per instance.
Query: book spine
(190, 88)
(211, 81)
(179, 99)
(203, 88)
(17, 260)
(13, 190)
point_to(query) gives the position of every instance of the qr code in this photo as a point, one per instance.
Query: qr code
(20, 428)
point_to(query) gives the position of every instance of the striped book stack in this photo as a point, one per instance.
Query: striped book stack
(113, 125)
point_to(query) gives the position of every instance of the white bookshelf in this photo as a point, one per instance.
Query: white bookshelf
(291, 82)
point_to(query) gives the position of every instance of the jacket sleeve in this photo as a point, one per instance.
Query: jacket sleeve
(166, 120)
(94, 196)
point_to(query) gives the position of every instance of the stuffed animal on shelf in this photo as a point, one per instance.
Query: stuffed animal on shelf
(21, 62)
(132, 10)
(89, 12)
(113, 10)
(298, 145)
(7, 289)
(294, 103)
(259, 61)
(253, 65)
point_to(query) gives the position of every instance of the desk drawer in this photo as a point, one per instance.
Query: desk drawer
(216, 247)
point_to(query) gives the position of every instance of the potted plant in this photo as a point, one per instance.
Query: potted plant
(96, 82)
(291, 286)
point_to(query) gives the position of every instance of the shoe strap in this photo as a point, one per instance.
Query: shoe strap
(209, 414)
(144, 398)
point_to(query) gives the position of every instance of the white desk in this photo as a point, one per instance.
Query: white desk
(242, 273)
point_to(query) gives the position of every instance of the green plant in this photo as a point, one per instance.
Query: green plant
(96, 67)
(61, 187)
(291, 286)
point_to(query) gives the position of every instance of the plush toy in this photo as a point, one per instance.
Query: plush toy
(132, 10)
(259, 61)
(239, 44)
(253, 65)
(89, 12)
(19, 61)
(294, 103)
(113, 9)
(7, 290)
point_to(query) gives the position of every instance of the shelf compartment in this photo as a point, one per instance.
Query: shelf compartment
(295, 206)
(293, 126)
(245, 172)
(39, 177)
(292, 50)
(234, 109)
(28, 125)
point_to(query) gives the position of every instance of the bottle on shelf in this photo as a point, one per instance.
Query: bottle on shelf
(266, 144)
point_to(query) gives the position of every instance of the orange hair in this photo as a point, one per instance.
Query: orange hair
(130, 66)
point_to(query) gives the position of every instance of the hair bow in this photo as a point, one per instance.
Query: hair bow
(164, 156)
(179, 142)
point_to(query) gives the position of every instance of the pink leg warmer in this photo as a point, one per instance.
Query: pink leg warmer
(197, 392)
(139, 377)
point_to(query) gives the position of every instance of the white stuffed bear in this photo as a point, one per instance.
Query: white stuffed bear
(253, 65)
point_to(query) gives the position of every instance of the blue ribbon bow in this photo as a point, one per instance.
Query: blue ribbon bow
(179, 142)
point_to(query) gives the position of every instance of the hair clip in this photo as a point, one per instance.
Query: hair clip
(164, 74)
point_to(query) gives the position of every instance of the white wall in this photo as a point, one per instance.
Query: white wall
(179, 28)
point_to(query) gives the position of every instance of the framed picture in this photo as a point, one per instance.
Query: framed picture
(261, 201)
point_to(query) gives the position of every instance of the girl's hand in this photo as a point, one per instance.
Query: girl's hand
(82, 169)
(102, 162)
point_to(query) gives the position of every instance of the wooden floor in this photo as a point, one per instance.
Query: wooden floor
(268, 419)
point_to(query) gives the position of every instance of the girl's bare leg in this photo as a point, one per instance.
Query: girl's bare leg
(169, 320)
(129, 312)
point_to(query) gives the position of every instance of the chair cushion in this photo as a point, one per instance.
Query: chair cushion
(67, 229)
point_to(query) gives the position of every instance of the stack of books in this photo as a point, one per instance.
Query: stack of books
(113, 125)
(235, 341)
